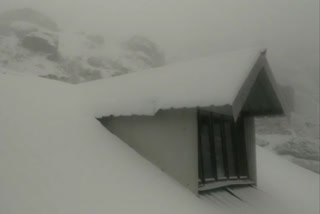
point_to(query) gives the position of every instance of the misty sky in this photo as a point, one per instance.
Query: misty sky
(187, 29)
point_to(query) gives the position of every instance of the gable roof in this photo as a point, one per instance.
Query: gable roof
(259, 93)
(222, 80)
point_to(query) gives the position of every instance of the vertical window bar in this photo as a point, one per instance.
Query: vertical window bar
(224, 148)
(212, 146)
(208, 161)
(235, 148)
(200, 158)
(243, 147)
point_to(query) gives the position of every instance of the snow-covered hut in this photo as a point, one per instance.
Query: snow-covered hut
(55, 157)
(193, 120)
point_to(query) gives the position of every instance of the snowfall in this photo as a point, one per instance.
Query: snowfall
(55, 157)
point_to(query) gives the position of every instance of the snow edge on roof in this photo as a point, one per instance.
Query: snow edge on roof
(146, 92)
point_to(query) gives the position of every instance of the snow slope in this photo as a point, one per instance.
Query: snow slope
(56, 158)
(293, 186)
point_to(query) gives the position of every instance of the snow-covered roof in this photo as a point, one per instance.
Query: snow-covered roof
(212, 81)
(55, 157)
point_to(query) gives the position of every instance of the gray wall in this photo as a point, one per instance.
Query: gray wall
(168, 139)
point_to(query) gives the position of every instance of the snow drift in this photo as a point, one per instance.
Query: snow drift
(55, 157)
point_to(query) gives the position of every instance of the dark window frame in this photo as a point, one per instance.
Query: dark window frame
(237, 138)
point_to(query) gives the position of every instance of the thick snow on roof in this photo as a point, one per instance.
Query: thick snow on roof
(209, 81)
(55, 158)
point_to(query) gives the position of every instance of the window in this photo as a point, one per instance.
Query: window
(222, 150)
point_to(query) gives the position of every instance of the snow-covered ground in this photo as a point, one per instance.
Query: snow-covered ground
(292, 138)
(292, 186)
(55, 157)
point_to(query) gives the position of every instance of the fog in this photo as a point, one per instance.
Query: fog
(56, 158)
(187, 29)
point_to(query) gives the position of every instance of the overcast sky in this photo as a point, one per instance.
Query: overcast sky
(187, 29)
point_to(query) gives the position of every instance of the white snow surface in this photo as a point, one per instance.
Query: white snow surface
(292, 186)
(55, 157)
(214, 80)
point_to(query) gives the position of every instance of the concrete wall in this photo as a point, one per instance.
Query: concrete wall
(251, 147)
(168, 139)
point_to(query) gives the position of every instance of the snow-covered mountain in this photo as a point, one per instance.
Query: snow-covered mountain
(32, 44)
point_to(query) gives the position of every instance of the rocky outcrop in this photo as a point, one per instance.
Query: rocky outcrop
(43, 42)
(31, 43)
(300, 148)
(144, 50)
